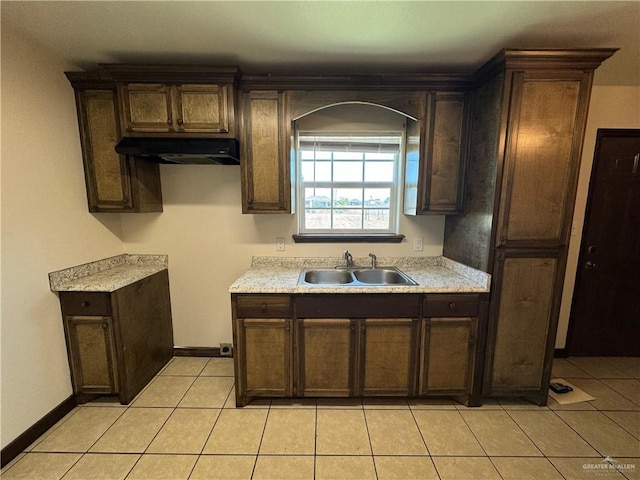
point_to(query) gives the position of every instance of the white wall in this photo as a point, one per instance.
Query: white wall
(45, 227)
(210, 243)
(610, 107)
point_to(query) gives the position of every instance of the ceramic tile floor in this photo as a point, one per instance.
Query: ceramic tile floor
(184, 426)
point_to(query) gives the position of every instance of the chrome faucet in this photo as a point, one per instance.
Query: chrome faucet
(374, 261)
(348, 258)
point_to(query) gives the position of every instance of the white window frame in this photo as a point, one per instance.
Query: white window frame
(393, 185)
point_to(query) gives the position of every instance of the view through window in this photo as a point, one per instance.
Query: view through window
(348, 182)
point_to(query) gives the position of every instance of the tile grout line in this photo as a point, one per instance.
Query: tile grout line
(619, 392)
(264, 429)
(534, 443)
(578, 433)
(366, 424)
(424, 441)
(479, 443)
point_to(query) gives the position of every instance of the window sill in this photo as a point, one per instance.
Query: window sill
(347, 238)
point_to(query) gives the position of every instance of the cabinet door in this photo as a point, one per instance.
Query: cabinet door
(107, 174)
(388, 357)
(146, 107)
(448, 352)
(265, 143)
(92, 358)
(524, 316)
(445, 154)
(266, 357)
(326, 349)
(434, 182)
(201, 108)
(542, 159)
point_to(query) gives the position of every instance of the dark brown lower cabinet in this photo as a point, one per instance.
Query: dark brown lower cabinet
(448, 354)
(359, 345)
(118, 341)
(92, 354)
(266, 344)
(524, 318)
(389, 356)
(326, 364)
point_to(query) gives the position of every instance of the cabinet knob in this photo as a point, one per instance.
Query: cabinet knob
(452, 306)
(169, 122)
(590, 265)
(264, 307)
(84, 304)
(180, 122)
(105, 325)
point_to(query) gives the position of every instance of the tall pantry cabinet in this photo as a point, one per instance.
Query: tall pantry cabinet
(528, 117)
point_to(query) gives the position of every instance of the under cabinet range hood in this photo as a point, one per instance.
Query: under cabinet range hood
(200, 151)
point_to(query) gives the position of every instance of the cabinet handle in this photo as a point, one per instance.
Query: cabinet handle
(169, 122)
(180, 122)
(452, 306)
(105, 326)
(264, 307)
(84, 304)
(353, 329)
(636, 159)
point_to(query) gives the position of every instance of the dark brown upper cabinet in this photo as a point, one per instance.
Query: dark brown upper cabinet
(176, 109)
(435, 156)
(115, 183)
(176, 100)
(266, 157)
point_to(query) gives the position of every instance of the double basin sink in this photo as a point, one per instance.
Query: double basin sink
(354, 276)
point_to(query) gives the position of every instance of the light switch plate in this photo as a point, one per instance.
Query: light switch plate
(417, 244)
(279, 244)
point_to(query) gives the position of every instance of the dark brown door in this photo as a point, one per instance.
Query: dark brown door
(605, 317)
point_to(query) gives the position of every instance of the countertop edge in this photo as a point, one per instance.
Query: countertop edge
(268, 275)
(108, 274)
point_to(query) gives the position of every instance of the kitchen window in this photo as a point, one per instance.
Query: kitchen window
(348, 182)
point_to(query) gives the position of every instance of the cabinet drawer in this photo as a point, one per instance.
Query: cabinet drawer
(263, 306)
(451, 305)
(85, 303)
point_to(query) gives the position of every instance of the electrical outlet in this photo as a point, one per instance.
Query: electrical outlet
(226, 350)
(279, 244)
(417, 244)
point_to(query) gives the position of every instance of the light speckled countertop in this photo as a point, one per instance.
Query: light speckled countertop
(433, 274)
(108, 274)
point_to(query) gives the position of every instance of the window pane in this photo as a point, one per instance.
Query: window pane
(306, 154)
(376, 218)
(306, 171)
(380, 156)
(347, 171)
(347, 197)
(347, 155)
(317, 198)
(347, 218)
(378, 172)
(317, 219)
(323, 171)
(377, 197)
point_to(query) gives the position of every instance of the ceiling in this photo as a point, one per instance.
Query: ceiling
(328, 36)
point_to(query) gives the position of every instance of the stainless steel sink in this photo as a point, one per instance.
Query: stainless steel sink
(354, 277)
(328, 276)
(382, 276)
